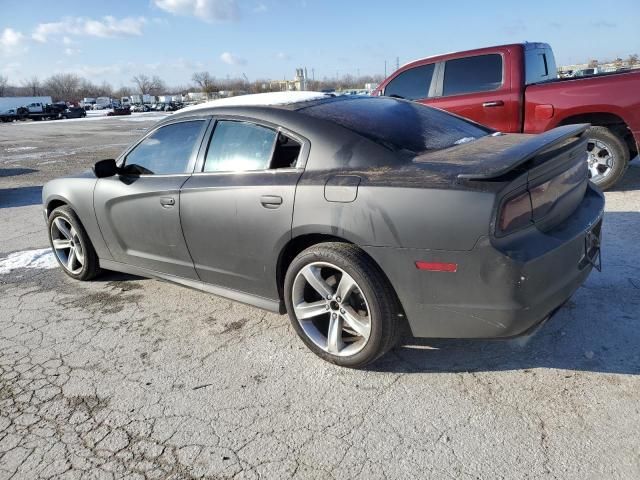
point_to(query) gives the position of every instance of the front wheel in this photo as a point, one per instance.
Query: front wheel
(608, 157)
(71, 245)
(341, 304)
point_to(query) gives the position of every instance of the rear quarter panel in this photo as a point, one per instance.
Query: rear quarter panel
(397, 204)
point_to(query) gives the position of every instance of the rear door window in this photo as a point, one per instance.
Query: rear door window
(239, 146)
(411, 84)
(481, 73)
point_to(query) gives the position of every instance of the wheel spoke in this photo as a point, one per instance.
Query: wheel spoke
(71, 259)
(593, 170)
(334, 335)
(62, 228)
(312, 275)
(604, 161)
(345, 287)
(356, 322)
(60, 243)
(79, 256)
(306, 310)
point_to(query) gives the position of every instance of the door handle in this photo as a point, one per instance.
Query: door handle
(270, 201)
(167, 201)
(494, 103)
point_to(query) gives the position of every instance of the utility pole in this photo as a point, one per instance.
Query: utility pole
(385, 69)
(397, 63)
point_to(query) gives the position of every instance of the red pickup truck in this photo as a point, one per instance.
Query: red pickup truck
(514, 88)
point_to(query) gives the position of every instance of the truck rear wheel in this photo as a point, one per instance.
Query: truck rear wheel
(608, 157)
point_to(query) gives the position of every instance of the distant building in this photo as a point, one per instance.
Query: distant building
(299, 82)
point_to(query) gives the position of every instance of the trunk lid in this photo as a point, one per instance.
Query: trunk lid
(546, 174)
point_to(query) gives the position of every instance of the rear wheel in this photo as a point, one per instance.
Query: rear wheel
(341, 304)
(71, 245)
(608, 157)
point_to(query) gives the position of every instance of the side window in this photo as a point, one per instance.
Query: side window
(238, 146)
(167, 150)
(472, 74)
(411, 84)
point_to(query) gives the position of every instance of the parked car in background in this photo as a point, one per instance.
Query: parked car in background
(74, 112)
(353, 214)
(140, 108)
(513, 88)
(585, 72)
(14, 114)
(119, 111)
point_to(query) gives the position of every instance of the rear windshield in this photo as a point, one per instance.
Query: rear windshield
(398, 124)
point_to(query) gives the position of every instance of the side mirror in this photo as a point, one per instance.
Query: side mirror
(105, 168)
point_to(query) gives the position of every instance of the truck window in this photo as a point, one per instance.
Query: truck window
(411, 84)
(472, 74)
(539, 64)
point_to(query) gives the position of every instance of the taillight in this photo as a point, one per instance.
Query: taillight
(545, 195)
(515, 213)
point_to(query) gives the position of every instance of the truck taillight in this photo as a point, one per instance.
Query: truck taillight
(515, 213)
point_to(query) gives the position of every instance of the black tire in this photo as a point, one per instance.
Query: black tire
(614, 146)
(91, 267)
(384, 308)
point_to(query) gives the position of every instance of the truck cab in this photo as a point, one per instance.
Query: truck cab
(35, 107)
(515, 89)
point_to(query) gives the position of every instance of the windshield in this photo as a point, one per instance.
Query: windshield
(398, 124)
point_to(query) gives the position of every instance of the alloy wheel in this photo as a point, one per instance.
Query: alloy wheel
(67, 246)
(331, 309)
(600, 160)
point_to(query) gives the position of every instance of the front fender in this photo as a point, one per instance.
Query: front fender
(77, 193)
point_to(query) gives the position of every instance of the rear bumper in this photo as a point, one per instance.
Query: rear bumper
(502, 288)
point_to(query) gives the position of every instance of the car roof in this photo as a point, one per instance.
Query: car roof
(271, 99)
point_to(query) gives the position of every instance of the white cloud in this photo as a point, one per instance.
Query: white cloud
(11, 42)
(207, 10)
(260, 8)
(283, 56)
(71, 51)
(231, 59)
(107, 27)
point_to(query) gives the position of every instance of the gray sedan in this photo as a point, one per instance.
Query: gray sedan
(357, 216)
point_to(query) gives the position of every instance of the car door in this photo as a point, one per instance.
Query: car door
(237, 208)
(477, 88)
(138, 210)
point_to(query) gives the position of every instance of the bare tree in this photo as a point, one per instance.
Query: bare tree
(593, 63)
(633, 59)
(63, 86)
(4, 81)
(157, 86)
(205, 81)
(142, 83)
(146, 85)
(33, 85)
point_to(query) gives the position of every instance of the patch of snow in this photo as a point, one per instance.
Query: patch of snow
(42, 258)
(464, 140)
(19, 149)
(259, 99)
(137, 117)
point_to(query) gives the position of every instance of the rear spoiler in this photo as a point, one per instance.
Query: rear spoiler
(515, 156)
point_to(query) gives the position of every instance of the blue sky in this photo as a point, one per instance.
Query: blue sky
(114, 40)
